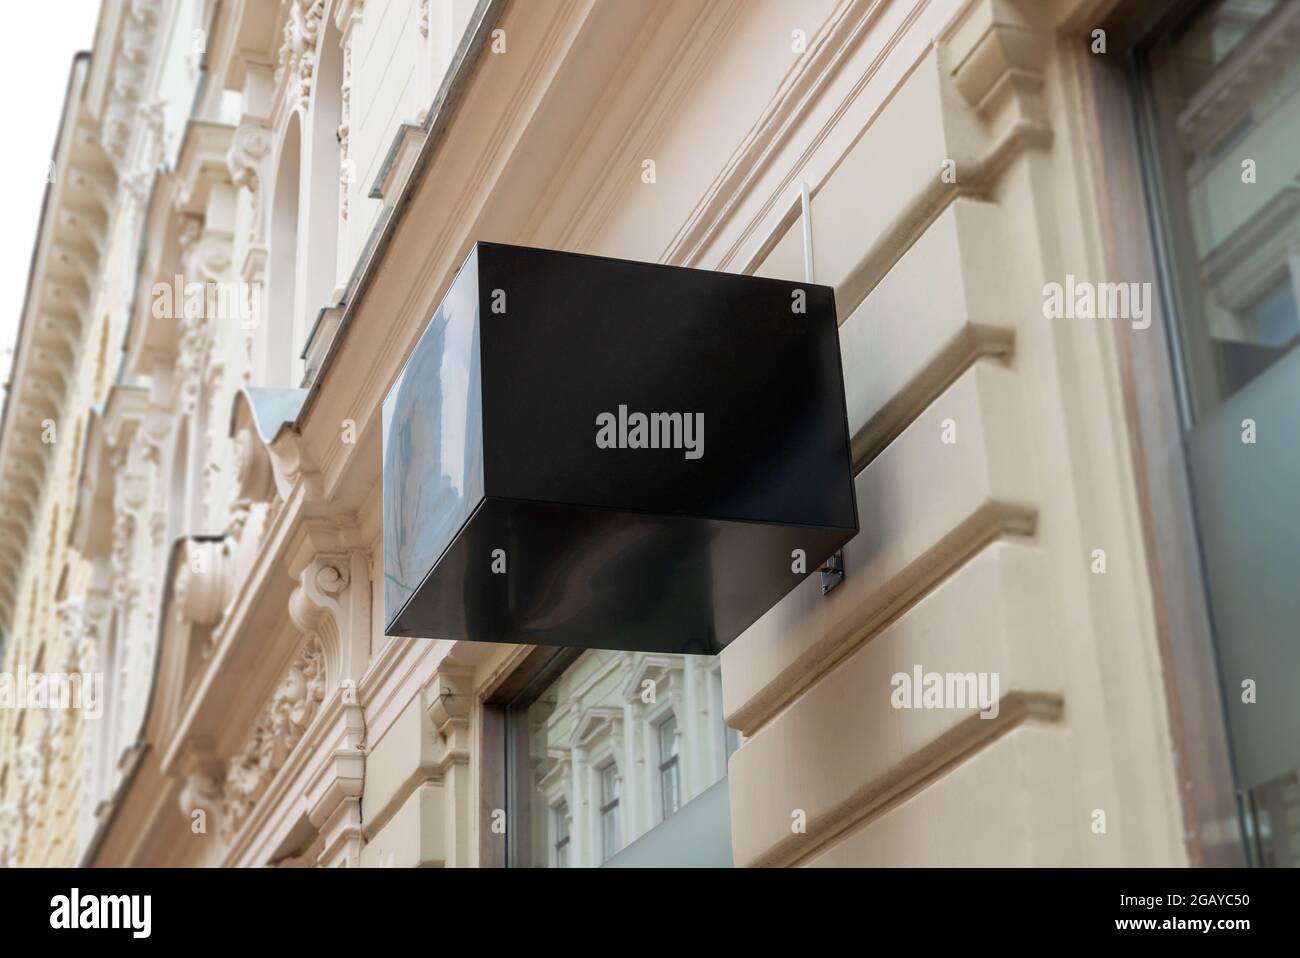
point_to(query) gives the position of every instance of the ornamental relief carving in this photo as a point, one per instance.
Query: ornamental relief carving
(79, 633)
(254, 480)
(31, 773)
(128, 78)
(314, 605)
(203, 583)
(249, 148)
(345, 131)
(195, 334)
(10, 830)
(279, 728)
(297, 58)
(125, 587)
(202, 790)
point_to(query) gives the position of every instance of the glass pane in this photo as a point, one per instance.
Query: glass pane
(433, 457)
(609, 833)
(667, 738)
(670, 788)
(670, 793)
(1222, 92)
(608, 785)
(593, 742)
(1224, 116)
(560, 823)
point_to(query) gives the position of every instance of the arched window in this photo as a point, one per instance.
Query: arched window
(321, 184)
(280, 365)
(303, 275)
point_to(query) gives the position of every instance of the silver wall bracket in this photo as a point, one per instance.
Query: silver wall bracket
(833, 570)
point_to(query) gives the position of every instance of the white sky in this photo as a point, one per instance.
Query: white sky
(36, 50)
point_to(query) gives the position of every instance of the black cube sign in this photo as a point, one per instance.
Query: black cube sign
(597, 453)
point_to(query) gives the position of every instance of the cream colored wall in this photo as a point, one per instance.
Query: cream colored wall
(974, 556)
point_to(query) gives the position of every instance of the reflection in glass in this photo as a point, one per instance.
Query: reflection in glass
(1222, 123)
(614, 745)
(670, 781)
(433, 474)
(610, 832)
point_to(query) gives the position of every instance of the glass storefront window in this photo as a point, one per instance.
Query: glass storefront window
(607, 747)
(1220, 113)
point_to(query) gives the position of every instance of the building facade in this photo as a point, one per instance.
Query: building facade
(1069, 430)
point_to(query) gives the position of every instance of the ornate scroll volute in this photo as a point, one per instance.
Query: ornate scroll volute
(254, 476)
(332, 600)
(201, 797)
(203, 582)
(314, 606)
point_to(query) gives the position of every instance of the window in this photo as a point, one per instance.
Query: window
(561, 831)
(670, 780)
(605, 750)
(609, 826)
(1219, 106)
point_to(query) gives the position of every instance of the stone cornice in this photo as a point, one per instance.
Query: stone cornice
(110, 430)
(64, 273)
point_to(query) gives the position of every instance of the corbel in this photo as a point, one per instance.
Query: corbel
(451, 705)
(332, 601)
(201, 773)
(292, 464)
(998, 52)
(204, 582)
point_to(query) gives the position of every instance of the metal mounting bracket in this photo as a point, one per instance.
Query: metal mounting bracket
(832, 572)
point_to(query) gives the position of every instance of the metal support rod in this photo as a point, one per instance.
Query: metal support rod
(832, 572)
(805, 203)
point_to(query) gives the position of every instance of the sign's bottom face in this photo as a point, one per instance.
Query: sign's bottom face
(544, 574)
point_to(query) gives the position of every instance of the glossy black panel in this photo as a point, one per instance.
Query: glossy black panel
(592, 578)
(653, 445)
(585, 335)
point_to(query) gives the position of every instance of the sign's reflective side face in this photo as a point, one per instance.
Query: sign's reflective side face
(605, 454)
(433, 454)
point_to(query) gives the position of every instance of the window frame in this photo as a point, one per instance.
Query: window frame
(1157, 406)
(672, 762)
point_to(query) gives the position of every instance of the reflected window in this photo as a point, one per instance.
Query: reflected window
(609, 827)
(604, 748)
(670, 781)
(561, 830)
(1219, 97)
